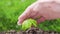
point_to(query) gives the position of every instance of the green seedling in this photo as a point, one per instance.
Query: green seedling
(28, 24)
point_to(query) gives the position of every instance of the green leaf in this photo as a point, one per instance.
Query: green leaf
(28, 23)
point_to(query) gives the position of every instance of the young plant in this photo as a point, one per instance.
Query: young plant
(28, 24)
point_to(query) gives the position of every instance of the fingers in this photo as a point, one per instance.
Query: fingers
(24, 16)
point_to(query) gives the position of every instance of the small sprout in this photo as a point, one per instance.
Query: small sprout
(28, 24)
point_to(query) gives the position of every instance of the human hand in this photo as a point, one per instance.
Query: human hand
(41, 11)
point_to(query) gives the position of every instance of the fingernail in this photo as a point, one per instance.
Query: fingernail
(18, 23)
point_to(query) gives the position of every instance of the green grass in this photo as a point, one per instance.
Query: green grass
(11, 9)
(52, 25)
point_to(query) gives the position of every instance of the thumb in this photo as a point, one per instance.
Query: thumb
(40, 20)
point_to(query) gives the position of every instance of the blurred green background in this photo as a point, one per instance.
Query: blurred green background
(9, 12)
(11, 9)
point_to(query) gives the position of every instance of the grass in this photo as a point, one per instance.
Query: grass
(11, 9)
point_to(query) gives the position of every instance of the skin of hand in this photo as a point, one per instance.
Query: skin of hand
(41, 11)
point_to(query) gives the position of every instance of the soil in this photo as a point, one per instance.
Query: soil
(32, 30)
